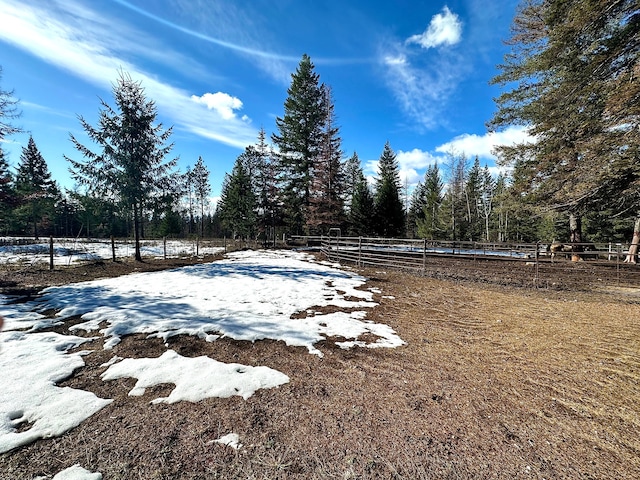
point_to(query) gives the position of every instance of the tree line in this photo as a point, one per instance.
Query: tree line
(570, 78)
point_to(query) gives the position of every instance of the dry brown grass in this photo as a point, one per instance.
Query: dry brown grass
(493, 383)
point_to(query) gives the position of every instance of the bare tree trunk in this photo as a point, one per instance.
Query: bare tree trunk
(575, 227)
(632, 255)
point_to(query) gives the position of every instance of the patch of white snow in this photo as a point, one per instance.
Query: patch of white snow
(195, 378)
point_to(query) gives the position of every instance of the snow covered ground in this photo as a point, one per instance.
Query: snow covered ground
(249, 295)
(69, 251)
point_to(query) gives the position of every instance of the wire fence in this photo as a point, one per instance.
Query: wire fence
(57, 252)
(539, 264)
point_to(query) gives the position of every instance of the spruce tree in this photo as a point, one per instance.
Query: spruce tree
(415, 213)
(130, 168)
(298, 140)
(572, 74)
(360, 218)
(237, 207)
(326, 207)
(7, 193)
(430, 223)
(389, 210)
(266, 188)
(35, 189)
(352, 171)
(201, 188)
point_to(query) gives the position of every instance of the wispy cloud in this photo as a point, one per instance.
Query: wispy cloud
(94, 47)
(423, 86)
(445, 29)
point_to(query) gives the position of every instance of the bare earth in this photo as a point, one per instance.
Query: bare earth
(494, 382)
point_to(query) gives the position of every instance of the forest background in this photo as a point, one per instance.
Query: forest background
(571, 78)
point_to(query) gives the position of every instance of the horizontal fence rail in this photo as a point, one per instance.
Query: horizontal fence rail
(537, 263)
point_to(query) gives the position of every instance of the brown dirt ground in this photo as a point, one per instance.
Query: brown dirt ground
(494, 382)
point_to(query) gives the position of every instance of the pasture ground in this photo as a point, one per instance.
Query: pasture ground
(494, 382)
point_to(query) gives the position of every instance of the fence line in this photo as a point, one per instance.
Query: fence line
(25, 252)
(603, 263)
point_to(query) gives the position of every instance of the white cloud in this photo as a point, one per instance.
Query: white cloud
(484, 145)
(94, 48)
(415, 158)
(445, 29)
(223, 103)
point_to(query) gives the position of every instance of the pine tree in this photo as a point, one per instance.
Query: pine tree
(7, 193)
(454, 202)
(202, 188)
(131, 166)
(326, 207)
(473, 192)
(389, 209)
(299, 141)
(573, 67)
(35, 189)
(266, 188)
(237, 206)
(360, 218)
(188, 192)
(352, 171)
(430, 224)
(415, 213)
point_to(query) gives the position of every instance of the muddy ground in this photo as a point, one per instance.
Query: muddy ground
(500, 378)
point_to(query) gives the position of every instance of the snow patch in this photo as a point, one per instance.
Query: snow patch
(195, 378)
(230, 440)
(31, 405)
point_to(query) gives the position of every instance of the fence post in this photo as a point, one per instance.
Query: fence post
(164, 246)
(113, 249)
(537, 262)
(359, 251)
(50, 253)
(424, 256)
(618, 253)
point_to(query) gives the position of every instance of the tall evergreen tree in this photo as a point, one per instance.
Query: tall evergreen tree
(473, 192)
(572, 65)
(35, 189)
(360, 218)
(299, 141)
(187, 182)
(131, 166)
(201, 187)
(237, 206)
(352, 171)
(326, 207)
(415, 212)
(389, 209)
(454, 204)
(430, 224)
(7, 194)
(266, 187)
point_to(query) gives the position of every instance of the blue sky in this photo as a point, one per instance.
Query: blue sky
(414, 73)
